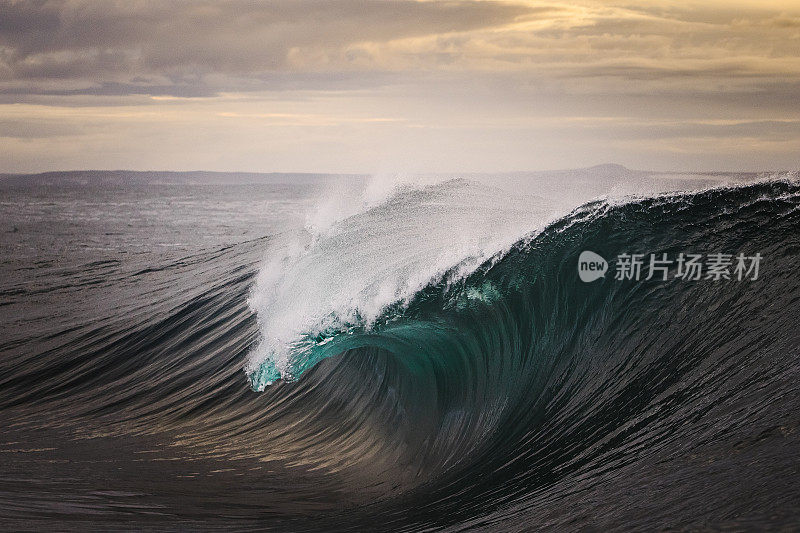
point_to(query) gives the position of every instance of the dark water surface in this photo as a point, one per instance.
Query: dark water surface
(509, 397)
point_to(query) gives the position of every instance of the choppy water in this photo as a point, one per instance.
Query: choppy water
(334, 353)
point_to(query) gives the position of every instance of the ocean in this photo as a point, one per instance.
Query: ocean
(298, 352)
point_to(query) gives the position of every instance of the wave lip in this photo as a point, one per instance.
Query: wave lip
(365, 270)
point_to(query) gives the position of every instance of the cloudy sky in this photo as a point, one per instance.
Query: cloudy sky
(399, 85)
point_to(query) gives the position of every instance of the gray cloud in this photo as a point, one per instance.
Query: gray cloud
(192, 48)
(174, 47)
(376, 84)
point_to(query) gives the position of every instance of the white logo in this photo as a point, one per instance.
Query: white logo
(591, 266)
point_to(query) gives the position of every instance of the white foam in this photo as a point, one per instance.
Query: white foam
(363, 251)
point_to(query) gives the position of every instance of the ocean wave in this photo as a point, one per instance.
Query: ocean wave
(436, 360)
(506, 378)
